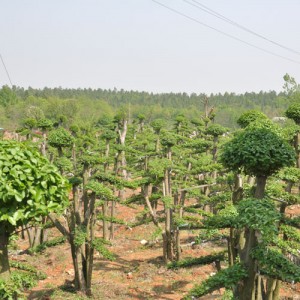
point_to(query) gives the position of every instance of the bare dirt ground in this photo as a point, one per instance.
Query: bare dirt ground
(138, 273)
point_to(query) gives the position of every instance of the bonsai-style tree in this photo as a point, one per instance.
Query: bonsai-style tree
(250, 116)
(59, 139)
(216, 131)
(293, 112)
(30, 187)
(259, 152)
(157, 125)
(45, 125)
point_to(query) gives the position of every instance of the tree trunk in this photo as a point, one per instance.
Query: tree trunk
(4, 262)
(104, 222)
(296, 145)
(89, 249)
(167, 235)
(247, 289)
(112, 225)
(43, 145)
(260, 187)
(273, 287)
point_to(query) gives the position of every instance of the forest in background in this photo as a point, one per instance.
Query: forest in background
(87, 106)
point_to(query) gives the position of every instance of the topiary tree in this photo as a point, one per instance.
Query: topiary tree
(293, 112)
(259, 152)
(157, 125)
(216, 131)
(45, 125)
(249, 116)
(59, 139)
(30, 187)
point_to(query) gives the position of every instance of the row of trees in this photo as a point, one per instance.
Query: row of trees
(87, 105)
(171, 165)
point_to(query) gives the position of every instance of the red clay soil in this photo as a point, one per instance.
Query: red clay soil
(138, 271)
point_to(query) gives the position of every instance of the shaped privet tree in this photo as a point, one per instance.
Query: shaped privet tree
(258, 152)
(45, 125)
(250, 116)
(30, 188)
(216, 131)
(60, 138)
(293, 112)
(121, 121)
(81, 222)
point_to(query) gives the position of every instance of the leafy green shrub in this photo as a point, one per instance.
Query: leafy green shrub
(225, 278)
(48, 244)
(204, 260)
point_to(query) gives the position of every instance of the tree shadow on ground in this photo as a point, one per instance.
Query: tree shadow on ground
(47, 293)
(121, 264)
(158, 292)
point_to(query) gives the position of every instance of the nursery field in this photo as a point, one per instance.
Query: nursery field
(138, 271)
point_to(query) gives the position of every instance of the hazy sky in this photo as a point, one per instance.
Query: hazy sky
(140, 45)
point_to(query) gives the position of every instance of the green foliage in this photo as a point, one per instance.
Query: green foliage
(30, 186)
(19, 281)
(60, 138)
(203, 260)
(250, 116)
(7, 96)
(29, 123)
(274, 264)
(208, 234)
(48, 244)
(158, 166)
(289, 132)
(111, 219)
(25, 267)
(258, 152)
(259, 214)
(290, 84)
(108, 135)
(294, 222)
(286, 246)
(100, 245)
(114, 180)
(226, 218)
(266, 124)
(228, 295)
(64, 164)
(44, 124)
(215, 130)
(225, 278)
(293, 112)
(75, 181)
(168, 139)
(198, 211)
(189, 222)
(168, 201)
(290, 174)
(199, 145)
(101, 190)
(158, 124)
(290, 232)
(80, 235)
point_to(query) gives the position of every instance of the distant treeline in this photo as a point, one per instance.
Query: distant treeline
(89, 104)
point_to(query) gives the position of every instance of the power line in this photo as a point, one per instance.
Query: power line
(224, 33)
(225, 19)
(6, 70)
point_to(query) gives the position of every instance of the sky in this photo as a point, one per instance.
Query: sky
(144, 46)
